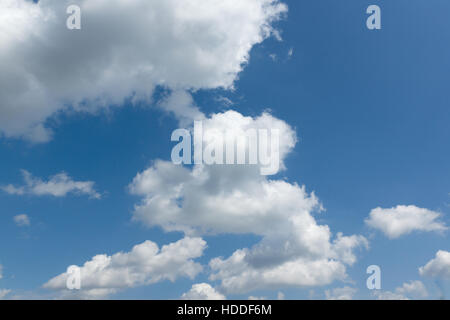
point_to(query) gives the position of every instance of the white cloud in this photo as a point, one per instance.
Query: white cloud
(22, 220)
(231, 191)
(58, 185)
(253, 298)
(304, 257)
(414, 289)
(202, 291)
(409, 290)
(345, 293)
(181, 104)
(239, 276)
(145, 264)
(290, 53)
(401, 220)
(388, 295)
(4, 293)
(439, 267)
(124, 50)
(235, 199)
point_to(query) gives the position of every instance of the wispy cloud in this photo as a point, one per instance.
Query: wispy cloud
(58, 185)
(22, 220)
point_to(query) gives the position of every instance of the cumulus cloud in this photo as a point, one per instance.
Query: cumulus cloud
(145, 264)
(179, 199)
(409, 290)
(202, 291)
(238, 275)
(58, 185)
(22, 220)
(345, 293)
(439, 267)
(4, 293)
(304, 256)
(123, 51)
(414, 289)
(402, 220)
(236, 199)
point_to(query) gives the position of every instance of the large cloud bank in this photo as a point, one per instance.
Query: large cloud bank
(123, 50)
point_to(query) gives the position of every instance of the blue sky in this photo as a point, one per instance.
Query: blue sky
(371, 112)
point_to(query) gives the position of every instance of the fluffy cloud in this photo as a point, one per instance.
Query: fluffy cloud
(345, 293)
(202, 291)
(239, 276)
(123, 51)
(4, 293)
(22, 220)
(401, 220)
(414, 289)
(236, 199)
(240, 273)
(409, 290)
(179, 199)
(57, 186)
(145, 264)
(439, 267)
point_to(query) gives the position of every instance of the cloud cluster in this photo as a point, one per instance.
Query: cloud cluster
(306, 258)
(58, 185)
(145, 264)
(123, 51)
(236, 199)
(401, 220)
(409, 290)
(202, 291)
(439, 267)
